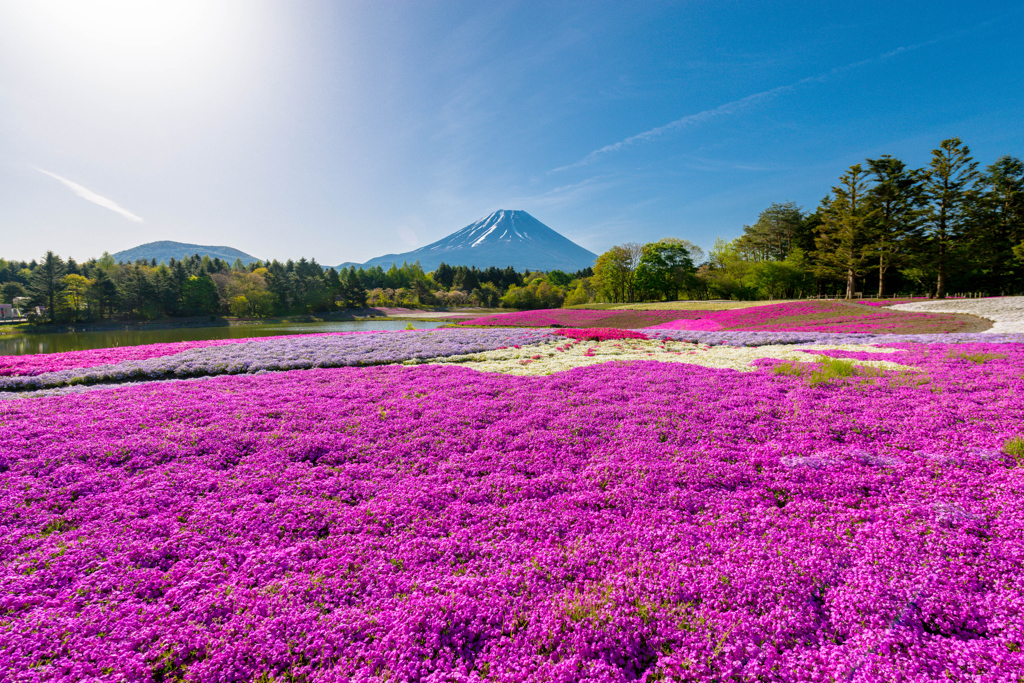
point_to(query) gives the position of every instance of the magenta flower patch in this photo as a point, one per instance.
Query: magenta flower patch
(623, 522)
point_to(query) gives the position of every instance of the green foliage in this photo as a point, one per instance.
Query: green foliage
(825, 370)
(778, 230)
(792, 369)
(665, 269)
(198, 296)
(10, 291)
(1000, 224)
(951, 195)
(1015, 446)
(843, 236)
(774, 279)
(903, 228)
(978, 358)
(45, 285)
(615, 272)
(895, 201)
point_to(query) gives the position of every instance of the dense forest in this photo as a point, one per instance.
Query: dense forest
(55, 290)
(883, 229)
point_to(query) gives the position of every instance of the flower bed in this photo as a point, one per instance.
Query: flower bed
(820, 316)
(582, 318)
(796, 316)
(631, 521)
(600, 334)
(37, 364)
(551, 357)
(269, 354)
(284, 353)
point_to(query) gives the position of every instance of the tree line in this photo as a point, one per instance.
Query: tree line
(883, 228)
(104, 288)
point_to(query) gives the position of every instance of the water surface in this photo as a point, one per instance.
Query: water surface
(56, 342)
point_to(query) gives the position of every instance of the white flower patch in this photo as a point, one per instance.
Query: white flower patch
(1005, 312)
(550, 357)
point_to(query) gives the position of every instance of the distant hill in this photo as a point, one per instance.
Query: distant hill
(505, 238)
(164, 251)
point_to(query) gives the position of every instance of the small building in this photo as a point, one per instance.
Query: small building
(7, 312)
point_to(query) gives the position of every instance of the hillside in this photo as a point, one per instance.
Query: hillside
(504, 238)
(166, 250)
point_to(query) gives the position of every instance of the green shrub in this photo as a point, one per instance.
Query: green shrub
(977, 358)
(789, 369)
(830, 369)
(1015, 446)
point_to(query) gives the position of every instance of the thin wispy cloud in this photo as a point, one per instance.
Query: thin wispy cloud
(738, 105)
(90, 196)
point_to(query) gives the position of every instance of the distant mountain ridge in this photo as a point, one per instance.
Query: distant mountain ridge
(165, 250)
(504, 238)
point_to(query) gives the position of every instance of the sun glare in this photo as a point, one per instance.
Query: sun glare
(118, 38)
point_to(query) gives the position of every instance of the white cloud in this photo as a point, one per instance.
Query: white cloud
(90, 196)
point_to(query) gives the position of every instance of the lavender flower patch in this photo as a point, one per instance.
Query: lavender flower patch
(285, 353)
(763, 338)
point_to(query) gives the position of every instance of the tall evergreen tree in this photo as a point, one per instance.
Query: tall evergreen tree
(104, 291)
(353, 291)
(950, 193)
(444, 275)
(1000, 224)
(843, 234)
(45, 283)
(896, 201)
(774, 234)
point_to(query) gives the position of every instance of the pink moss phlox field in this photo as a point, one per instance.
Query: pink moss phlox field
(778, 317)
(600, 334)
(267, 354)
(625, 522)
(37, 364)
(796, 316)
(571, 317)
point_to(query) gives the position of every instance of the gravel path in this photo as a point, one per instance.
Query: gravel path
(1006, 312)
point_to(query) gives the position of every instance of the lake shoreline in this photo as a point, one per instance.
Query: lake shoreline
(353, 315)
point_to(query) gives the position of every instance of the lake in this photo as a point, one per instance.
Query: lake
(56, 342)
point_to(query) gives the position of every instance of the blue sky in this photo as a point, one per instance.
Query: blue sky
(343, 131)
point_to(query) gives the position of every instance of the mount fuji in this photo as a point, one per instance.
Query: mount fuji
(505, 238)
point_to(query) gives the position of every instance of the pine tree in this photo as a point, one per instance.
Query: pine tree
(354, 292)
(45, 283)
(774, 234)
(843, 234)
(1000, 224)
(104, 291)
(896, 200)
(950, 193)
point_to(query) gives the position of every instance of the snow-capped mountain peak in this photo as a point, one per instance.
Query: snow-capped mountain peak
(504, 238)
